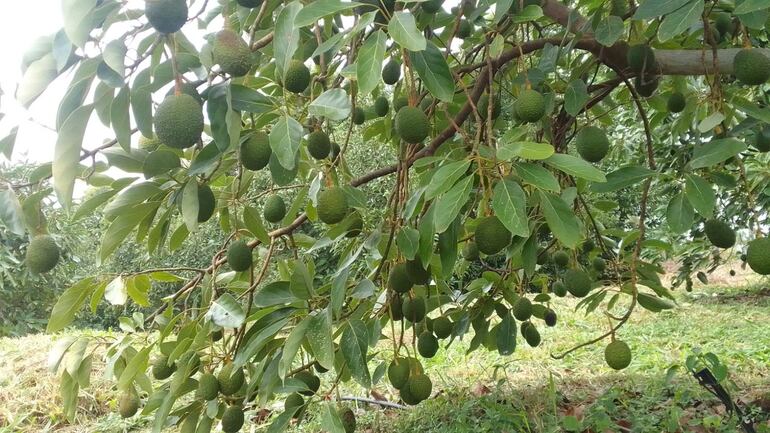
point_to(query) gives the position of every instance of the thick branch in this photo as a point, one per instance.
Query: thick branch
(670, 62)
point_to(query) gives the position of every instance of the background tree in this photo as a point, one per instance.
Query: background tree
(560, 148)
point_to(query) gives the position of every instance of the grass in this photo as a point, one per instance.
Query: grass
(484, 392)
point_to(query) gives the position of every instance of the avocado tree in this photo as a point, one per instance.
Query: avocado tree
(558, 148)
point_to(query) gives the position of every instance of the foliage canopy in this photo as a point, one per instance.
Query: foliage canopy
(609, 135)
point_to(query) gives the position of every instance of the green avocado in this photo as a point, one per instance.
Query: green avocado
(42, 254)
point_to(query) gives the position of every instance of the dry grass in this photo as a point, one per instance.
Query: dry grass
(29, 393)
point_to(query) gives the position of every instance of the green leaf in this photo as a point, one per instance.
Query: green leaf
(190, 205)
(700, 194)
(68, 389)
(334, 104)
(11, 213)
(136, 365)
(445, 177)
(77, 91)
(319, 336)
(506, 336)
(247, 99)
(679, 21)
(679, 214)
(122, 226)
(339, 287)
(711, 122)
(525, 150)
(281, 422)
(561, 219)
(253, 222)
(285, 138)
(510, 205)
(67, 154)
(56, 354)
(537, 176)
(529, 13)
(330, 419)
(655, 8)
(403, 29)
(276, 293)
(286, 36)
(69, 304)
(576, 167)
(78, 20)
(369, 62)
(433, 70)
(576, 96)
(316, 10)
(448, 205)
(716, 151)
(354, 344)
(654, 303)
(447, 248)
(750, 108)
(622, 178)
(748, 6)
(256, 342)
(226, 312)
(38, 76)
(408, 241)
(114, 56)
(291, 346)
(609, 30)
(8, 142)
(120, 118)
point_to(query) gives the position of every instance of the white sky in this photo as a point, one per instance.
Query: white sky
(20, 24)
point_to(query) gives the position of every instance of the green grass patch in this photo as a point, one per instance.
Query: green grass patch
(482, 391)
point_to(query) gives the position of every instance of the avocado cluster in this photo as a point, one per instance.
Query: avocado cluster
(617, 354)
(491, 235)
(408, 376)
(641, 59)
(751, 66)
(332, 205)
(255, 151)
(577, 282)
(179, 121)
(239, 256)
(232, 53)
(676, 102)
(412, 125)
(128, 403)
(42, 254)
(274, 209)
(159, 162)
(318, 145)
(296, 77)
(166, 16)
(719, 233)
(758, 255)
(530, 106)
(592, 143)
(391, 73)
(206, 203)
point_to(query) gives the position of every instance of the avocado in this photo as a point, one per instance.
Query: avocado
(166, 16)
(318, 145)
(179, 121)
(42, 254)
(232, 53)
